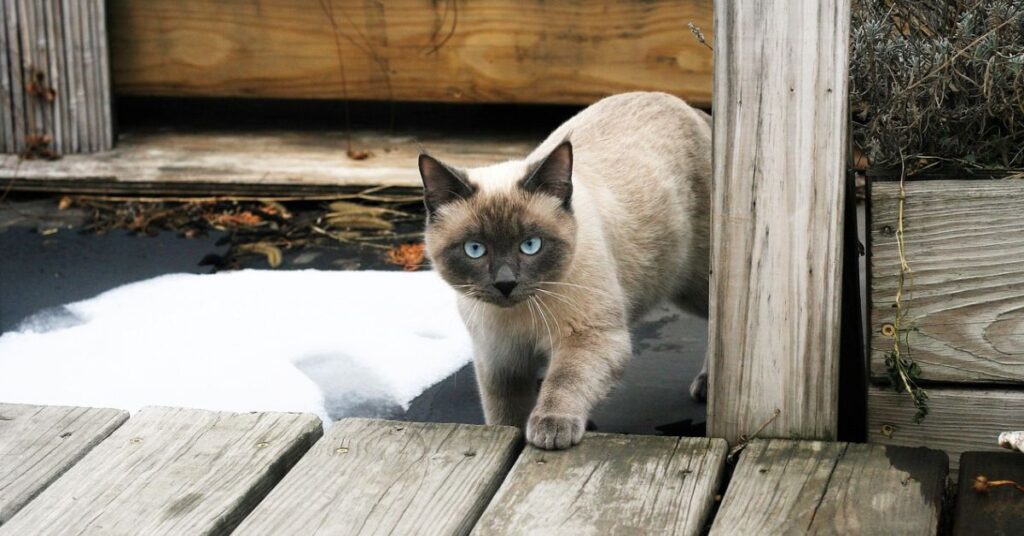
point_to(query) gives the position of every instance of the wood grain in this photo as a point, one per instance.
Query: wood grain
(958, 419)
(411, 50)
(39, 443)
(964, 304)
(610, 484)
(997, 511)
(58, 45)
(171, 471)
(385, 477)
(777, 217)
(281, 161)
(802, 487)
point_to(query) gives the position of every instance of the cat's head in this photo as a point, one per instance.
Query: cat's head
(496, 234)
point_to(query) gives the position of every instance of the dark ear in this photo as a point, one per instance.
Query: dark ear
(441, 184)
(553, 176)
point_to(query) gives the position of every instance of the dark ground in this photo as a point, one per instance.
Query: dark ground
(46, 260)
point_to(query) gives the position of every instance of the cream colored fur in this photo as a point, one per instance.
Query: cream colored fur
(641, 174)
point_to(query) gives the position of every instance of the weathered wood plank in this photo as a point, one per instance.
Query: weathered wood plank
(14, 59)
(57, 45)
(964, 242)
(6, 88)
(958, 419)
(411, 50)
(777, 218)
(996, 511)
(273, 159)
(610, 484)
(385, 477)
(39, 443)
(802, 487)
(171, 471)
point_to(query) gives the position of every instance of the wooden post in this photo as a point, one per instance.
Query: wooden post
(780, 117)
(54, 77)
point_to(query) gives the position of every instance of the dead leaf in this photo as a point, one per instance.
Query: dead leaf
(356, 154)
(270, 251)
(241, 219)
(408, 256)
(65, 203)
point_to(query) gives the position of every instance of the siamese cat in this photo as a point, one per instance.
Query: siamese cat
(553, 256)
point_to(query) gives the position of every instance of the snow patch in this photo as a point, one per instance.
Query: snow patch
(335, 344)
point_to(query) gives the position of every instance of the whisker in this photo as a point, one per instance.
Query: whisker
(533, 318)
(551, 339)
(565, 299)
(577, 286)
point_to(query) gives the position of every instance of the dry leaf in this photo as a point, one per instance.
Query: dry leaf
(242, 219)
(65, 203)
(356, 154)
(408, 256)
(270, 251)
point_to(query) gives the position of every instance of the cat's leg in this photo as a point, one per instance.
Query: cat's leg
(699, 384)
(583, 368)
(506, 374)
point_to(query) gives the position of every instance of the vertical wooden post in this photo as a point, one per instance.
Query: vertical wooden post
(780, 116)
(54, 77)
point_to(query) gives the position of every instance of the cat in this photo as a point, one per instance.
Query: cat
(553, 256)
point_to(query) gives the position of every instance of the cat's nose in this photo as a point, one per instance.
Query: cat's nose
(505, 287)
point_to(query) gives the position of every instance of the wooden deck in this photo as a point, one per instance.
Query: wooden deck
(178, 471)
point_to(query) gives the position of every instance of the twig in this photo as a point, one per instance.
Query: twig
(695, 30)
(744, 440)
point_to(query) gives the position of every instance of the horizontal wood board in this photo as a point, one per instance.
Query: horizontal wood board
(804, 487)
(39, 443)
(385, 477)
(610, 484)
(171, 471)
(411, 50)
(998, 510)
(959, 419)
(268, 162)
(963, 302)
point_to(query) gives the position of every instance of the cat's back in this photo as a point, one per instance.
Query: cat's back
(643, 163)
(623, 130)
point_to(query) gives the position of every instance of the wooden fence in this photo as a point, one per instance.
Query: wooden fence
(962, 310)
(54, 78)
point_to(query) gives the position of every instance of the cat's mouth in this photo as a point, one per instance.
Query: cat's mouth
(501, 300)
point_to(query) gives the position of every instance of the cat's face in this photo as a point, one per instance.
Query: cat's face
(501, 246)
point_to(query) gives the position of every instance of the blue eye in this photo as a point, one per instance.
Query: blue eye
(530, 246)
(475, 250)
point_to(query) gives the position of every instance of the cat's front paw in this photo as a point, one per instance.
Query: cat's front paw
(552, 431)
(699, 387)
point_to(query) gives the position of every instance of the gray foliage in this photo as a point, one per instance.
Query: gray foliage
(938, 82)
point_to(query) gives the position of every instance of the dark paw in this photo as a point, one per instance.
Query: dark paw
(554, 431)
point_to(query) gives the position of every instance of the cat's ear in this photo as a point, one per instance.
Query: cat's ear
(553, 176)
(441, 184)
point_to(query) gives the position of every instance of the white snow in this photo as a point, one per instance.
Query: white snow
(330, 343)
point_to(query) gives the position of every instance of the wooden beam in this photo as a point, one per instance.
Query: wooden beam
(780, 126)
(963, 302)
(385, 477)
(55, 80)
(997, 510)
(610, 484)
(411, 50)
(172, 471)
(805, 487)
(267, 163)
(958, 419)
(40, 443)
